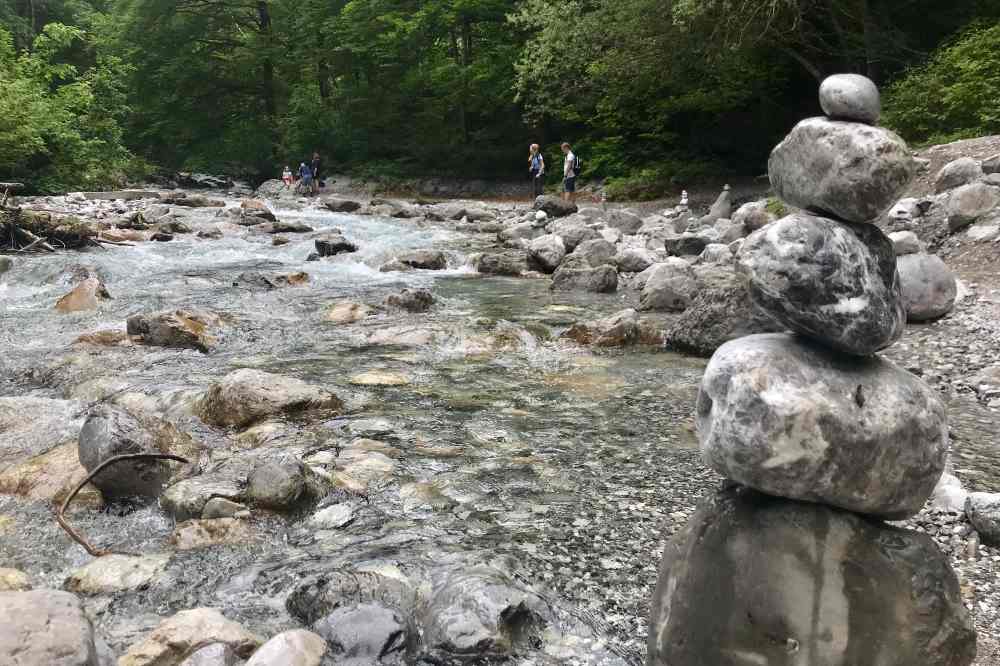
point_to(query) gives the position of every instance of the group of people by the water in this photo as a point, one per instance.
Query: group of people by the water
(571, 169)
(307, 179)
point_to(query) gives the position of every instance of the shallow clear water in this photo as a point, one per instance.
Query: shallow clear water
(533, 449)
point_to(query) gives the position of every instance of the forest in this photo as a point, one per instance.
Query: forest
(99, 92)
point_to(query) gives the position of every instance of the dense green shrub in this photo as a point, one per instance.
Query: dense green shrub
(956, 95)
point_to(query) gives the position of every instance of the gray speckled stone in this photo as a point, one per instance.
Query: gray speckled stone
(850, 97)
(832, 281)
(929, 286)
(45, 627)
(670, 286)
(983, 511)
(754, 579)
(793, 419)
(846, 170)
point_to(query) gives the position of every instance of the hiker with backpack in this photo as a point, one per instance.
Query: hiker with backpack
(316, 179)
(571, 169)
(536, 167)
(305, 179)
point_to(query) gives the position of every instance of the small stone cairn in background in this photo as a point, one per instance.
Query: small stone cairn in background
(790, 563)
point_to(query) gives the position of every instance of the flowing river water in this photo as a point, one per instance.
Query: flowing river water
(564, 467)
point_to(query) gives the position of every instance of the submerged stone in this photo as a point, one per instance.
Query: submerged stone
(832, 281)
(754, 579)
(794, 419)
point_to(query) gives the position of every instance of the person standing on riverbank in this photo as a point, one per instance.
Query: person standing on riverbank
(305, 178)
(569, 173)
(316, 164)
(536, 167)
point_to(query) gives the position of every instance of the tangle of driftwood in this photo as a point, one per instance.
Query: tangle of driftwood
(60, 514)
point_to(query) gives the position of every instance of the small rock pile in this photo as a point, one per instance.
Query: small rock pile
(790, 562)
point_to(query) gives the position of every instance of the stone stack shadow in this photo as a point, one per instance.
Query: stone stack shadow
(791, 563)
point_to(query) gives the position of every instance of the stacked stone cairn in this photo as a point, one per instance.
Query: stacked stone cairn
(790, 562)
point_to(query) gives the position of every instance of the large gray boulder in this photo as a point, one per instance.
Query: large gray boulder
(754, 579)
(634, 260)
(753, 216)
(554, 206)
(969, 203)
(954, 174)
(296, 647)
(333, 244)
(510, 263)
(670, 286)
(516, 235)
(595, 252)
(716, 316)
(929, 287)
(181, 329)
(626, 221)
(428, 260)
(367, 633)
(983, 511)
(580, 276)
(337, 205)
(850, 97)
(45, 627)
(110, 432)
(574, 234)
(686, 245)
(545, 253)
(790, 418)
(849, 171)
(276, 485)
(832, 281)
(905, 242)
(187, 499)
(246, 396)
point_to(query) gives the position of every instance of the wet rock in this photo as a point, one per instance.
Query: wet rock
(192, 201)
(189, 498)
(247, 396)
(634, 260)
(714, 317)
(624, 220)
(348, 312)
(116, 573)
(716, 253)
(517, 235)
(481, 614)
(754, 579)
(12, 580)
(366, 633)
(6, 263)
(845, 170)
(983, 511)
(428, 260)
(278, 241)
(85, 296)
(161, 237)
(219, 507)
(928, 285)
(333, 517)
(511, 264)
(685, 245)
(32, 426)
(335, 205)
(279, 227)
(297, 647)
(198, 534)
(574, 234)
(45, 627)
(793, 419)
(110, 432)
(905, 242)
(359, 470)
(670, 286)
(969, 203)
(593, 253)
(276, 485)
(257, 208)
(181, 635)
(334, 244)
(210, 234)
(545, 253)
(216, 654)
(572, 276)
(267, 282)
(991, 165)
(850, 97)
(183, 329)
(618, 330)
(554, 206)
(949, 495)
(832, 281)
(50, 477)
(954, 174)
(411, 300)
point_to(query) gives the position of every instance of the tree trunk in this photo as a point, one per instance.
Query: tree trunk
(810, 67)
(466, 60)
(873, 64)
(267, 82)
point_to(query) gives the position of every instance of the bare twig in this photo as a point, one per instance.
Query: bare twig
(33, 244)
(60, 514)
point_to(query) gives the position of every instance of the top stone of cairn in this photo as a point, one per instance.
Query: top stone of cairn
(850, 97)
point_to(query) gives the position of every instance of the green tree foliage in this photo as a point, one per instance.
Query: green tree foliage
(60, 126)
(964, 76)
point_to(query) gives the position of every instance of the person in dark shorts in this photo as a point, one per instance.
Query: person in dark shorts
(536, 167)
(316, 164)
(569, 173)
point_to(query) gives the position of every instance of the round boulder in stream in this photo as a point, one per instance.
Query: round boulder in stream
(754, 579)
(791, 418)
(832, 281)
(247, 396)
(929, 286)
(276, 485)
(112, 432)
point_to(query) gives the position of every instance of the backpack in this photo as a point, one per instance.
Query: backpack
(576, 165)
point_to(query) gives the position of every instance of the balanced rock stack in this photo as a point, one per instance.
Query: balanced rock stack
(790, 563)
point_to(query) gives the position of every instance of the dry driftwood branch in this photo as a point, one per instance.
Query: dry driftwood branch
(60, 514)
